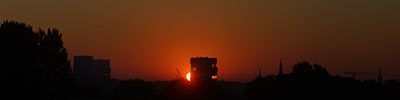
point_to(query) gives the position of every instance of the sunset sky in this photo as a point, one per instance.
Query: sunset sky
(149, 39)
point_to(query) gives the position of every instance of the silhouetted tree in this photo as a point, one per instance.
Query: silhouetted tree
(35, 62)
(308, 80)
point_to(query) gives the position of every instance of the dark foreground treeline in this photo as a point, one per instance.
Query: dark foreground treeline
(35, 65)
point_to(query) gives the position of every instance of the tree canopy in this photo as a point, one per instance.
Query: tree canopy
(33, 61)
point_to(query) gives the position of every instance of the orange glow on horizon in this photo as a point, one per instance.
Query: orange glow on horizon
(188, 76)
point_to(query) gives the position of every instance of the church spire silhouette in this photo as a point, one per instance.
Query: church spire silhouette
(280, 68)
(259, 73)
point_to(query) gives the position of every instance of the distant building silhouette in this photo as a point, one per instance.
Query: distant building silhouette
(93, 72)
(380, 79)
(83, 66)
(203, 69)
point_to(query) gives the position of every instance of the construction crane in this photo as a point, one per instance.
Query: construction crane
(179, 74)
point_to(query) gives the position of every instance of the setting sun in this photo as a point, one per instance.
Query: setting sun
(188, 76)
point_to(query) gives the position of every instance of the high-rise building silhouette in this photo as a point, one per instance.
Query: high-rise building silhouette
(203, 69)
(93, 72)
(83, 67)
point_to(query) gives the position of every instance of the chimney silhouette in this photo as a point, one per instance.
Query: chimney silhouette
(380, 79)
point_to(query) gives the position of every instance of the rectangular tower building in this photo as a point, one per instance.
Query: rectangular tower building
(93, 72)
(203, 69)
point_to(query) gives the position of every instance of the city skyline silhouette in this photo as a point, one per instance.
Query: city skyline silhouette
(199, 49)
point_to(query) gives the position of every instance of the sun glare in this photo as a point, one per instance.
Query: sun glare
(188, 76)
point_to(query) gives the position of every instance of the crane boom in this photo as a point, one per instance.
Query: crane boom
(179, 73)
